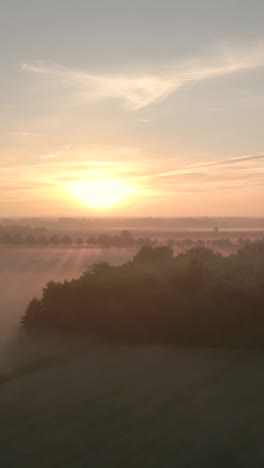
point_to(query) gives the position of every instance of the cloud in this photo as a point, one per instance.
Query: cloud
(139, 90)
(145, 120)
(64, 164)
(194, 167)
(136, 92)
(23, 134)
(52, 155)
(232, 174)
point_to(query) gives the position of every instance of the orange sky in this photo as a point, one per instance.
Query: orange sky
(131, 108)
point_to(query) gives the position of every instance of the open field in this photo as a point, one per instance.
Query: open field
(66, 404)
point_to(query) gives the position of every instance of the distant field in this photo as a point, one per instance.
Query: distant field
(66, 404)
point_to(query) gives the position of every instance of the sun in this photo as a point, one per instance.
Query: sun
(100, 193)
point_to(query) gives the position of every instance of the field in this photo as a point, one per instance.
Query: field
(67, 404)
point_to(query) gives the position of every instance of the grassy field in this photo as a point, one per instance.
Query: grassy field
(66, 404)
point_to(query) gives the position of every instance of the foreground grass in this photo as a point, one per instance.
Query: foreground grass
(135, 407)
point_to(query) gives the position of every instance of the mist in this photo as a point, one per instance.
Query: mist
(138, 402)
(23, 274)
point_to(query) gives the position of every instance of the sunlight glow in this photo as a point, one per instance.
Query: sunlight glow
(100, 193)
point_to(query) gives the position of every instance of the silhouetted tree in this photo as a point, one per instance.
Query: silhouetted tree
(195, 298)
(30, 240)
(55, 240)
(79, 241)
(42, 240)
(67, 240)
(150, 254)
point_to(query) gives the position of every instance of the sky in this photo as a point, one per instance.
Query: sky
(135, 108)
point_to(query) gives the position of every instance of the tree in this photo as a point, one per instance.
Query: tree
(67, 240)
(127, 237)
(43, 240)
(55, 240)
(30, 240)
(32, 314)
(195, 298)
(150, 254)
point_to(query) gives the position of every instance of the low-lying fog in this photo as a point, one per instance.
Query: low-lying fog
(146, 406)
(24, 272)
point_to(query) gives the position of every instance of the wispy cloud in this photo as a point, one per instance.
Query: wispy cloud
(193, 168)
(55, 155)
(68, 164)
(139, 90)
(23, 134)
(232, 174)
(183, 185)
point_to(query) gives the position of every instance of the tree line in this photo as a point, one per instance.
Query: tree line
(196, 298)
(27, 236)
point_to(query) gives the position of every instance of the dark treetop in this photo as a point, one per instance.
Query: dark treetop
(195, 298)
